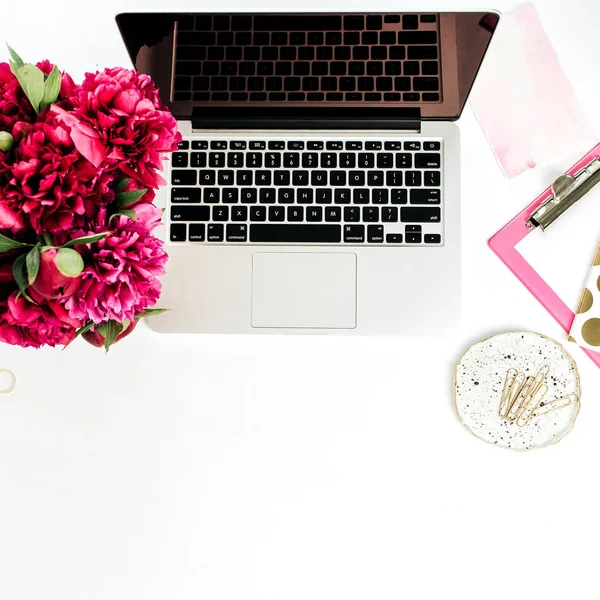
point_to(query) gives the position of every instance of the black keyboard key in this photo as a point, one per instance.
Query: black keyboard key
(262, 178)
(347, 160)
(304, 196)
(295, 213)
(291, 160)
(328, 160)
(300, 178)
(428, 161)
(410, 22)
(295, 234)
(393, 178)
(393, 145)
(412, 145)
(384, 84)
(375, 178)
(337, 178)
(412, 68)
(285, 196)
(248, 195)
(433, 238)
(329, 84)
(356, 178)
(301, 68)
(258, 96)
(183, 145)
(335, 96)
(366, 160)
(354, 234)
(314, 214)
(216, 159)
(272, 160)
(265, 68)
(385, 160)
(230, 195)
(431, 146)
(374, 22)
(287, 53)
(295, 145)
(351, 214)
(235, 160)
(258, 213)
(185, 195)
(379, 52)
(428, 18)
(233, 53)
(180, 159)
(375, 234)
(276, 145)
(314, 145)
(422, 52)
(239, 213)
(397, 53)
(369, 38)
(310, 83)
(310, 160)
(391, 19)
(243, 178)
(256, 145)
(342, 196)
(211, 195)
(190, 213)
(183, 83)
(432, 178)
(427, 196)
(281, 178)
(225, 178)
(380, 196)
(178, 232)
(393, 238)
(414, 229)
(351, 38)
(429, 68)
(387, 37)
(361, 196)
(356, 68)
(324, 53)
(354, 22)
(419, 214)
(267, 196)
(370, 214)
(403, 161)
(426, 84)
(237, 233)
(197, 232)
(342, 53)
(399, 196)
(218, 145)
(393, 67)
(333, 214)
(220, 213)
(180, 177)
(241, 23)
(413, 178)
(315, 39)
(324, 196)
(373, 97)
(389, 214)
(216, 53)
(333, 38)
(254, 160)
(417, 37)
(338, 68)
(374, 68)
(354, 97)
(401, 83)
(279, 38)
(414, 238)
(372, 145)
(214, 232)
(276, 213)
(360, 53)
(283, 68)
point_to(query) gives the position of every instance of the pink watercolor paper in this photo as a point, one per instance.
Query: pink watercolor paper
(523, 99)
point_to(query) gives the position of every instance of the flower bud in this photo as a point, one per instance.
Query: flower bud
(53, 280)
(95, 338)
(6, 141)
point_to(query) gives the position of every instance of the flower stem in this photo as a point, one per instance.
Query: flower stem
(47, 239)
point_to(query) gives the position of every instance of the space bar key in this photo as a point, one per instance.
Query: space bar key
(296, 234)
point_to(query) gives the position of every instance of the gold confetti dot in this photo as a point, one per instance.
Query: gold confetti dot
(591, 332)
(586, 301)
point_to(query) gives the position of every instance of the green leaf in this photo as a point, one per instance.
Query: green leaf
(110, 332)
(31, 80)
(7, 244)
(125, 213)
(88, 239)
(126, 198)
(122, 184)
(17, 61)
(32, 260)
(81, 330)
(51, 89)
(19, 275)
(151, 312)
(69, 262)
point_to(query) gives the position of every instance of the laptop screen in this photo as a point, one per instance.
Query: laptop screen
(420, 64)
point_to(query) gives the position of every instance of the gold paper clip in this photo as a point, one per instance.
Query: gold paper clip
(531, 406)
(508, 382)
(556, 404)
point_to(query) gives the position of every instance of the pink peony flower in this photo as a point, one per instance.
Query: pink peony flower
(33, 325)
(51, 282)
(119, 121)
(121, 279)
(49, 179)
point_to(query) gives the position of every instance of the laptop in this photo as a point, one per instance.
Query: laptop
(317, 185)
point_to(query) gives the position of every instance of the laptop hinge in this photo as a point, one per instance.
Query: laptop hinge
(307, 118)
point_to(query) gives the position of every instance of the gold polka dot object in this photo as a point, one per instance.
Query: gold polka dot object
(518, 390)
(8, 381)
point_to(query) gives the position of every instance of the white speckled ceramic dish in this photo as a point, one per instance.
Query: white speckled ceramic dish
(479, 382)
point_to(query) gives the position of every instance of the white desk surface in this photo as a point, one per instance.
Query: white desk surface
(269, 468)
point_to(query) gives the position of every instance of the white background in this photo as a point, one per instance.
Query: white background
(267, 467)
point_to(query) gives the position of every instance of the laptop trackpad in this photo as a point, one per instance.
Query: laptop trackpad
(304, 289)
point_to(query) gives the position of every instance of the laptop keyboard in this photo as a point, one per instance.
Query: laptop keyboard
(312, 58)
(307, 191)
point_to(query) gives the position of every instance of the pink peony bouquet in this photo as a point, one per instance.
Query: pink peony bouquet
(79, 166)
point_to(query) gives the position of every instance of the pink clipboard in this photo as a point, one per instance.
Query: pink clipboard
(504, 244)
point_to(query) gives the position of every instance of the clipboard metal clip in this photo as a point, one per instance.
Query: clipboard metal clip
(566, 191)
